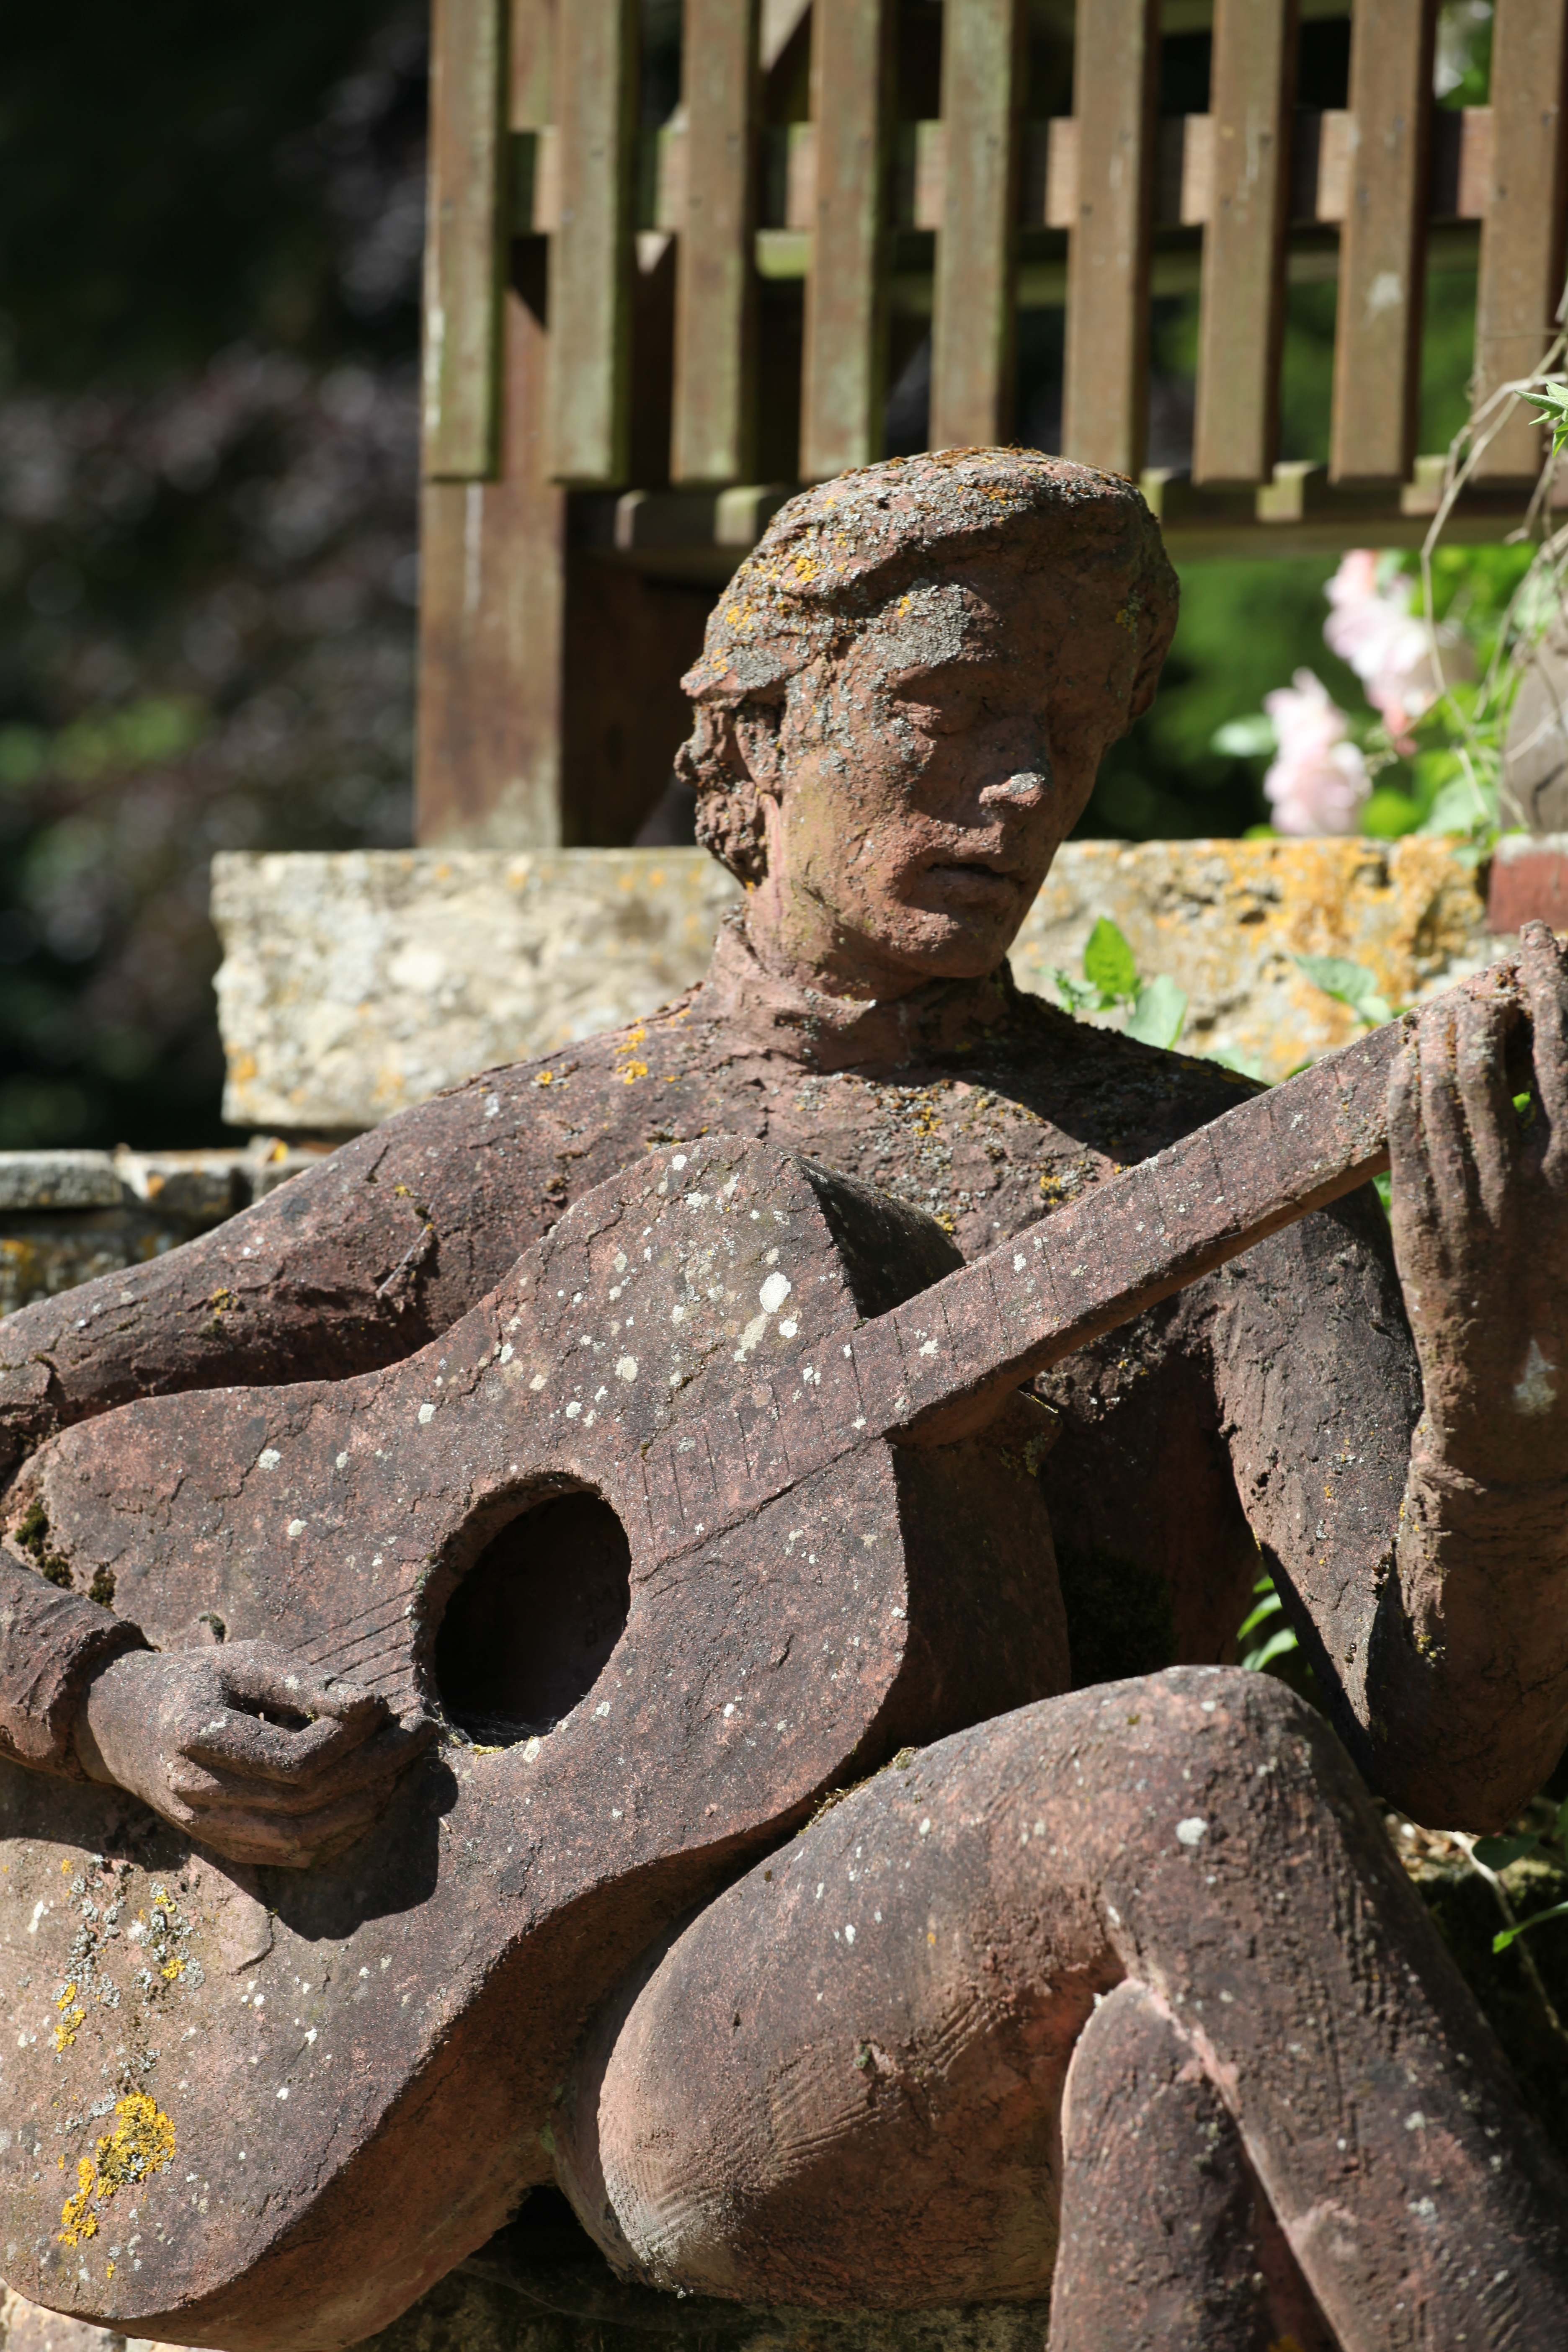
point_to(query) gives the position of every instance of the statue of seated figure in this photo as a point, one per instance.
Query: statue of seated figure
(988, 2030)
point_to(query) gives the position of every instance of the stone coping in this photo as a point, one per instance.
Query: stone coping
(356, 982)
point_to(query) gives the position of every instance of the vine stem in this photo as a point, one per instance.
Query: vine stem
(1466, 1845)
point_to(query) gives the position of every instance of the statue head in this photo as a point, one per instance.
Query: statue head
(903, 698)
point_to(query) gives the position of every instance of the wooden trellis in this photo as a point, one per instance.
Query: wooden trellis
(599, 387)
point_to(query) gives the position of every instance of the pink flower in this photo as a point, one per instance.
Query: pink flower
(1389, 647)
(1318, 781)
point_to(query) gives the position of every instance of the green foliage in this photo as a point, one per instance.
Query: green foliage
(1107, 964)
(1553, 402)
(1348, 983)
(1156, 1008)
(1265, 1634)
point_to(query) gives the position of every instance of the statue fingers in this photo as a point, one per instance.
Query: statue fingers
(1486, 1097)
(267, 1682)
(1543, 972)
(1443, 1125)
(288, 1841)
(1415, 1190)
(235, 1746)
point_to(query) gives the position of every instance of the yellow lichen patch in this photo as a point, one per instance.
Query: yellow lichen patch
(173, 1969)
(141, 2143)
(543, 1078)
(78, 2220)
(72, 2015)
(633, 1071)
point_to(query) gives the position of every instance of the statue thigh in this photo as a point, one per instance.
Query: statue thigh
(996, 1994)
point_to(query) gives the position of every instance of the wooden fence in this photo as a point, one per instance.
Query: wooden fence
(641, 333)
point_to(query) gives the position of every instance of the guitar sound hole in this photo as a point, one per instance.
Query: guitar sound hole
(528, 1631)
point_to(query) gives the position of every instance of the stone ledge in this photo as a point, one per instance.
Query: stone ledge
(67, 1217)
(356, 983)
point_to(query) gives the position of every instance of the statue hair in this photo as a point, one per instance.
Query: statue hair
(834, 556)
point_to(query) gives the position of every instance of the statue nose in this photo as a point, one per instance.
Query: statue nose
(1023, 784)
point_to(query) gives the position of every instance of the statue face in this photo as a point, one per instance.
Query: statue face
(920, 783)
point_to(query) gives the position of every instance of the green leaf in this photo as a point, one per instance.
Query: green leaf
(1389, 814)
(1561, 1832)
(1279, 1645)
(1552, 402)
(1458, 807)
(1107, 963)
(1075, 997)
(1496, 1853)
(1270, 1606)
(1252, 738)
(1501, 1942)
(1243, 1064)
(1348, 983)
(1158, 1013)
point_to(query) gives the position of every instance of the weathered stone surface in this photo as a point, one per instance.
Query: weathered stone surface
(1535, 753)
(636, 1753)
(1227, 919)
(59, 1180)
(850, 2103)
(357, 983)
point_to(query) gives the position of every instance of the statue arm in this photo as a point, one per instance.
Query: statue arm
(1434, 1607)
(51, 1644)
(352, 1265)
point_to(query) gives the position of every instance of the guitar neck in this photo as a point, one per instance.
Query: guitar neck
(939, 1367)
(1125, 1245)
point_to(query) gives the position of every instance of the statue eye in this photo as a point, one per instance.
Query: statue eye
(942, 711)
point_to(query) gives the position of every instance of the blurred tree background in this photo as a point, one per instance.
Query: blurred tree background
(209, 272)
(210, 227)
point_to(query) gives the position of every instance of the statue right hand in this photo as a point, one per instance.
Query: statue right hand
(254, 1755)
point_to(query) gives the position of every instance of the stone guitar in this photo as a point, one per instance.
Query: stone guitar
(723, 1495)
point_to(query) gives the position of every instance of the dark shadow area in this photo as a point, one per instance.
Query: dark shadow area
(393, 1869)
(528, 1631)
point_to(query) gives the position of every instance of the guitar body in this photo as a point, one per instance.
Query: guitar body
(244, 2106)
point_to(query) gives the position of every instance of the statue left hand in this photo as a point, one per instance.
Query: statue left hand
(1480, 1228)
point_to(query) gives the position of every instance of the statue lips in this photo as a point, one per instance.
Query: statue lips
(698, 1345)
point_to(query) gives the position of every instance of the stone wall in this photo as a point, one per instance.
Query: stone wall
(353, 985)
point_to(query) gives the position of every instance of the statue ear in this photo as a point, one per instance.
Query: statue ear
(1146, 679)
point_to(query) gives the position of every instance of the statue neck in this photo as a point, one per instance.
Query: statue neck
(764, 1014)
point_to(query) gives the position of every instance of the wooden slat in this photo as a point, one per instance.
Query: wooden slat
(591, 256)
(1196, 198)
(1522, 224)
(713, 434)
(1242, 304)
(1105, 388)
(464, 241)
(1061, 171)
(971, 329)
(492, 582)
(846, 356)
(1377, 342)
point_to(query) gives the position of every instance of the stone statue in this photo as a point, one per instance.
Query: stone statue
(1114, 1997)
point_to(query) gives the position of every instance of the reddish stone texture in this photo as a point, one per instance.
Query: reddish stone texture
(411, 2005)
(876, 2068)
(1528, 886)
(606, 1508)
